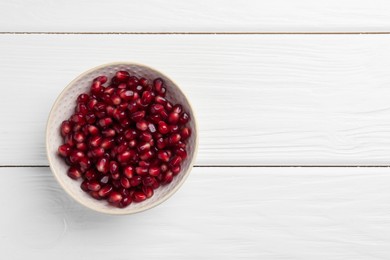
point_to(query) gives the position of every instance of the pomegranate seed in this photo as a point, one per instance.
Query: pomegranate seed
(107, 143)
(164, 167)
(146, 155)
(79, 137)
(163, 127)
(182, 153)
(105, 122)
(109, 132)
(125, 156)
(92, 103)
(143, 82)
(96, 88)
(74, 173)
(101, 79)
(163, 155)
(84, 185)
(184, 118)
(109, 90)
(185, 133)
(103, 165)
(135, 181)
(95, 141)
(161, 143)
(122, 76)
(85, 164)
(125, 182)
(130, 134)
(158, 84)
(81, 108)
(115, 176)
(95, 195)
(93, 130)
(176, 170)
(173, 128)
(138, 116)
(69, 140)
(177, 109)
(90, 118)
(127, 95)
(133, 82)
(124, 191)
(167, 177)
(176, 161)
(64, 150)
(132, 107)
(116, 183)
(90, 175)
(114, 167)
(132, 143)
(98, 152)
(173, 118)
(114, 197)
(94, 186)
(139, 196)
(163, 114)
(78, 119)
(146, 98)
(148, 191)
(105, 191)
(160, 100)
(146, 136)
(156, 108)
(66, 127)
(174, 138)
(118, 114)
(141, 170)
(148, 180)
(126, 201)
(83, 98)
(75, 156)
(142, 125)
(128, 171)
(122, 86)
(180, 144)
(154, 171)
(143, 147)
(82, 147)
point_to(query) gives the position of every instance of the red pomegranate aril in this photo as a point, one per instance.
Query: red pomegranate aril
(98, 152)
(173, 118)
(164, 167)
(130, 134)
(184, 118)
(142, 125)
(156, 108)
(127, 95)
(177, 109)
(95, 141)
(90, 174)
(118, 114)
(76, 128)
(161, 143)
(81, 108)
(125, 156)
(148, 191)
(143, 82)
(138, 116)
(162, 92)
(163, 155)
(181, 152)
(115, 99)
(139, 196)
(168, 106)
(92, 103)
(90, 118)
(176, 170)
(93, 130)
(125, 123)
(167, 177)
(95, 195)
(114, 167)
(141, 170)
(173, 128)
(83, 98)
(66, 127)
(132, 143)
(64, 150)
(74, 173)
(123, 146)
(110, 111)
(132, 107)
(155, 118)
(94, 186)
(146, 97)
(146, 136)
(174, 138)
(128, 171)
(84, 185)
(116, 183)
(146, 155)
(126, 201)
(143, 147)
(85, 164)
(69, 140)
(124, 191)
(109, 90)
(109, 132)
(122, 86)
(164, 115)
(107, 143)
(135, 181)
(160, 100)
(103, 165)
(104, 122)
(115, 176)
(75, 156)
(79, 137)
(132, 82)
(82, 147)
(176, 160)
(96, 88)
(158, 84)
(148, 181)
(101, 79)
(78, 119)
(180, 144)
(154, 171)
(185, 133)
(163, 127)
(114, 197)
(125, 182)
(122, 76)
(105, 191)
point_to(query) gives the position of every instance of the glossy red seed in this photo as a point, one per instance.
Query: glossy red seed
(125, 156)
(174, 138)
(138, 116)
(176, 170)
(135, 181)
(126, 201)
(180, 144)
(109, 90)
(144, 82)
(114, 197)
(175, 161)
(122, 86)
(163, 127)
(116, 100)
(94, 186)
(92, 103)
(93, 130)
(142, 125)
(75, 156)
(132, 107)
(116, 183)
(114, 167)
(148, 180)
(104, 122)
(125, 182)
(115, 176)
(128, 171)
(79, 137)
(82, 147)
(90, 118)
(139, 196)
(90, 174)
(84, 185)
(95, 195)
(103, 165)
(148, 191)
(158, 84)
(109, 132)
(97, 152)
(122, 76)
(146, 97)
(107, 143)
(141, 170)
(133, 82)
(184, 118)
(74, 173)
(96, 88)
(105, 191)
(167, 177)
(118, 114)
(130, 134)
(146, 155)
(168, 106)
(185, 133)
(101, 79)
(69, 140)
(143, 147)
(83, 98)
(78, 119)
(110, 111)
(156, 108)
(173, 128)
(164, 167)
(160, 100)
(85, 164)
(126, 95)
(66, 127)
(146, 136)
(154, 171)
(81, 108)
(161, 143)
(173, 118)
(181, 152)
(95, 141)
(164, 115)
(177, 109)
(163, 155)
(64, 150)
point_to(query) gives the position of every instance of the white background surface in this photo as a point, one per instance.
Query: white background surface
(280, 83)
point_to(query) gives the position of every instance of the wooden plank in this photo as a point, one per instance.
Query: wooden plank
(219, 213)
(195, 16)
(260, 99)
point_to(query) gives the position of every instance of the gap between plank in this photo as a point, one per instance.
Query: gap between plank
(202, 33)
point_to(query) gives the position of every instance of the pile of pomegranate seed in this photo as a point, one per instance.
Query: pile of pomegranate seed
(125, 139)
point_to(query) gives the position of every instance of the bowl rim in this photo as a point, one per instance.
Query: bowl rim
(157, 202)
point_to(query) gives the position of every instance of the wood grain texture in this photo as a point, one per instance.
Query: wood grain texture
(195, 16)
(219, 213)
(260, 99)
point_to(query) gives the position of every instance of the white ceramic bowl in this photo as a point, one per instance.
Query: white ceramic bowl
(63, 109)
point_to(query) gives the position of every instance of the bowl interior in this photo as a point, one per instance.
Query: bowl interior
(64, 108)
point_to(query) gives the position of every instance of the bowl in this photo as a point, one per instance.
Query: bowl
(63, 109)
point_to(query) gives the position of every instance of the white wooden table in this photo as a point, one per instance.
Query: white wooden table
(293, 102)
